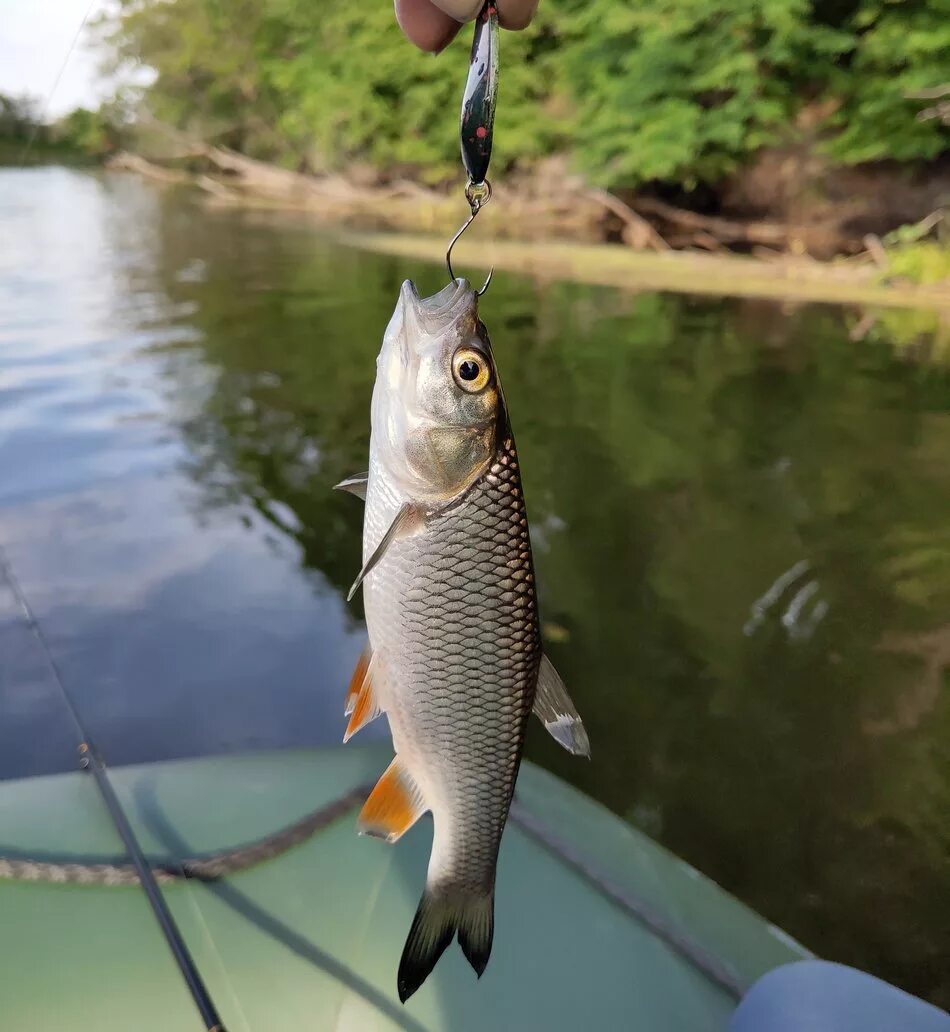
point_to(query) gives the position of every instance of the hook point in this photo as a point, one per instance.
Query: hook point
(477, 195)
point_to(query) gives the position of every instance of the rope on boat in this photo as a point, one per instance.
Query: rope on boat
(213, 866)
(207, 867)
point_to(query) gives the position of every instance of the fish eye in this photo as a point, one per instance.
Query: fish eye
(471, 370)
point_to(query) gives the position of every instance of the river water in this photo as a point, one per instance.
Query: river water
(741, 520)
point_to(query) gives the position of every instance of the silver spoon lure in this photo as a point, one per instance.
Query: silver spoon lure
(478, 120)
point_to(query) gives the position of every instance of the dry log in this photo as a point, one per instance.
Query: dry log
(876, 250)
(134, 163)
(707, 241)
(216, 189)
(726, 231)
(258, 175)
(638, 233)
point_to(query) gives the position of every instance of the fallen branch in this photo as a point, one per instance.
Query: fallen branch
(876, 250)
(259, 175)
(638, 233)
(726, 231)
(863, 327)
(216, 189)
(134, 163)
(940, 110)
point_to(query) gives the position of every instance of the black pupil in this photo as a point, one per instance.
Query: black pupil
(468, 369)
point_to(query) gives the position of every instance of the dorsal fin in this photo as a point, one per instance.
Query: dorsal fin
(394, 805)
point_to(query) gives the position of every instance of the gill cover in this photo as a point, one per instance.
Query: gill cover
(436, 402)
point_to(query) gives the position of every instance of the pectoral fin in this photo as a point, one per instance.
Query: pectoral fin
(409, 520)
(559, 715)
(355, 484)
(394, 805)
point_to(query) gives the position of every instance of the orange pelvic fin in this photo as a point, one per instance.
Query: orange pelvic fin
(356, 681)
(394, 805)
(366, 706)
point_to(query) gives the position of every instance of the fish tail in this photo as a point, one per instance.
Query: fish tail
(437, 920)
(476, 927)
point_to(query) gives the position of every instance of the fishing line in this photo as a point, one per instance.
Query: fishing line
(91, 761)
(49, 97)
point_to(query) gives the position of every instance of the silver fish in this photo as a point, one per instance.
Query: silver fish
(454, 656)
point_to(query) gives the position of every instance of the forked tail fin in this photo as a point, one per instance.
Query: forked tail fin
(437, 920)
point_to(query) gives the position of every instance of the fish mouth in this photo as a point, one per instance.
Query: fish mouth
(436, 313)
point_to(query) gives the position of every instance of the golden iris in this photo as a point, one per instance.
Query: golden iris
(471, 370)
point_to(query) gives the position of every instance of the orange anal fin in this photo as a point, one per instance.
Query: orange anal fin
(366, 708)
(356, 681)
(394, 805)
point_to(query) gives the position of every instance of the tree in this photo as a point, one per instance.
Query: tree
(680, 91)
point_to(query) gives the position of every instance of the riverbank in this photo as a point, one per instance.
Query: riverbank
(556, 236)
(842, 282)
(24, 154)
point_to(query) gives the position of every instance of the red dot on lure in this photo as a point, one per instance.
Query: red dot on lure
(481, 132)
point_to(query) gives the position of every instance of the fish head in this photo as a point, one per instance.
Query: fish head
(437, 402)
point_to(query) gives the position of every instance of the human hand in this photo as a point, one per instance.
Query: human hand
(433, 24)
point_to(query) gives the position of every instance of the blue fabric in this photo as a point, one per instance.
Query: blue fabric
(817, 996)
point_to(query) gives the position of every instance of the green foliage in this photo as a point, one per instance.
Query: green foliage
(93, 133)
(371, 98)
(319, 88)
(900, 47)
(926, 262)
(19, 119)
(682, 91)
(920, 251)
(80, 135)
(212, 60)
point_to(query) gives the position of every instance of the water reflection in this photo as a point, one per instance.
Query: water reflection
(739, 515)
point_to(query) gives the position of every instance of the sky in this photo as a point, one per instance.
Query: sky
(35, 36)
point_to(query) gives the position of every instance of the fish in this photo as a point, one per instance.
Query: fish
(454, 657)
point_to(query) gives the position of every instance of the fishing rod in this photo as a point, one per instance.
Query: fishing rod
(91, 761)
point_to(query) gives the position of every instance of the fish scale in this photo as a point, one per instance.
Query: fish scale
(462, 645)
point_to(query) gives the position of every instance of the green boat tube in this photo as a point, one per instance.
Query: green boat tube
(297, 923)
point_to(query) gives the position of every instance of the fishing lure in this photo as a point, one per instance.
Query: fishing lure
(477, 122)
(478, 101)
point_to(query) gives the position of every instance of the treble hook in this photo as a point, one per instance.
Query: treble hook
(477, 195)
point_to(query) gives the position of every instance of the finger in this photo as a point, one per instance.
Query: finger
(424, 24)
(460, 10)
(516, 14)
(512, 14)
